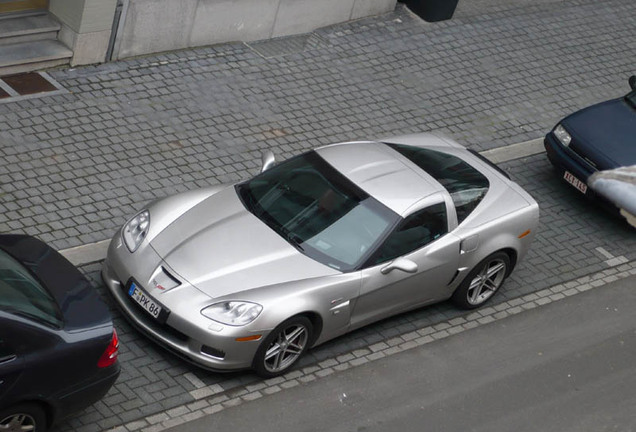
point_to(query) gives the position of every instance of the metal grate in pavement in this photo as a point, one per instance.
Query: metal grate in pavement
(27, 86)
(283, 46)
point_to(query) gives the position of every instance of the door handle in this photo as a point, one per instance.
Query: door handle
(7, 358)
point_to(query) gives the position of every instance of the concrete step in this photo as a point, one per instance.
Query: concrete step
(28, 28)
(34, 55)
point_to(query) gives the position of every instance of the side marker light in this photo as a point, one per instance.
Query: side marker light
(524, 234)
(249, 338)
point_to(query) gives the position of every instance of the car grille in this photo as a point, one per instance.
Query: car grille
(583, 160)
(208, 350)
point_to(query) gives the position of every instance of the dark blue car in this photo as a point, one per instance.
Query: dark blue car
(58, 347)
(597, 138)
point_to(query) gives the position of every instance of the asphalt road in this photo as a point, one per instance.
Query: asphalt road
(567, 366)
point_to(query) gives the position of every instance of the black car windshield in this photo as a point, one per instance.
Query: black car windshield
(318, 210)
(21, 294)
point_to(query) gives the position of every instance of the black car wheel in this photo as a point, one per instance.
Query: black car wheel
(483, 281)
(24, 417)
(283, 347)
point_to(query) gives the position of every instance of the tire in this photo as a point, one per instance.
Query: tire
(23, 417)
(282, 348)
(482, 282)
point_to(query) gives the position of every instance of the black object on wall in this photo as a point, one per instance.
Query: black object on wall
(432, 10)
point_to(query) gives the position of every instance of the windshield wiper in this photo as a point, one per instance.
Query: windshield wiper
(292, 238)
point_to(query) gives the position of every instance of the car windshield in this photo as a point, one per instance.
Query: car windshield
(318, 210)
(630, 98)
(21, 294)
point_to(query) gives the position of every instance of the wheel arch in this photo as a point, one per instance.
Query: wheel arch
(316, 322)
(513, 255)
(50, 412)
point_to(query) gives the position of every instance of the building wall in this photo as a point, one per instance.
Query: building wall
(149, 26)
(86, 27)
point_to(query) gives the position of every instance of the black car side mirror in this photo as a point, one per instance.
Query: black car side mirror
(632, 82)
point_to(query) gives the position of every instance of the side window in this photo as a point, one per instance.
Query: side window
(22, 294)
(416, 231)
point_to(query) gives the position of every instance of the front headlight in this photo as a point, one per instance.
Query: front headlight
(234, 313)
(562, 135)
(136, 230)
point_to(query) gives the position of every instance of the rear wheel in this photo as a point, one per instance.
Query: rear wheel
(283, 347)
(483, 281)
(23, 417)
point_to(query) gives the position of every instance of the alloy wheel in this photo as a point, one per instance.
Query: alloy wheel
(288, 345)
(17, 422)
(486, 282)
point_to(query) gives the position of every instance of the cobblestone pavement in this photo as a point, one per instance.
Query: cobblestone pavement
(75, 165)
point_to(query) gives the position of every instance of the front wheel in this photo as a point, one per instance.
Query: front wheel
(24, 417)
(482, 282)
(283, 347)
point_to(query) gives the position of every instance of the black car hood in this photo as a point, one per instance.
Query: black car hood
(605, 133)
(78, 300)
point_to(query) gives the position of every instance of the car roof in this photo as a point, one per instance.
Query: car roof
(381, 172)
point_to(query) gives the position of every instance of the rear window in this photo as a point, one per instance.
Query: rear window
(21, 294)
(466, 186)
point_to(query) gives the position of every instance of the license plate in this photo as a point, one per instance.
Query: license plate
(144, 300)
(578, 184)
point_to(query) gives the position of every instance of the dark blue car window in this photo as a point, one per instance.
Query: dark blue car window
(21, 294)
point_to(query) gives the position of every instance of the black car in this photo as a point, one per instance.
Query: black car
(58, 346)
(597, 138)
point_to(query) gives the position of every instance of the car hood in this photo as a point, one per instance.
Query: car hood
(77, 299)
(605, 133)
(221, 249)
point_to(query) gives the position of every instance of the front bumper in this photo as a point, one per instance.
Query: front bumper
(186, 332)
(566, 160)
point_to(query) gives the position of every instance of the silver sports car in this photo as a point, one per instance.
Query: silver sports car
(252, 275)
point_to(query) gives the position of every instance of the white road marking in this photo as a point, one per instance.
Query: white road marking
(611, 259)
(514, 151)
(87, 254)
(196, 382)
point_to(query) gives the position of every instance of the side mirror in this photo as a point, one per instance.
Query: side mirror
(632, 82)
(403, 264)
(267, 161)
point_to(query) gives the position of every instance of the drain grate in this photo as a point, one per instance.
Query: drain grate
(282, 46)
(27, 85)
